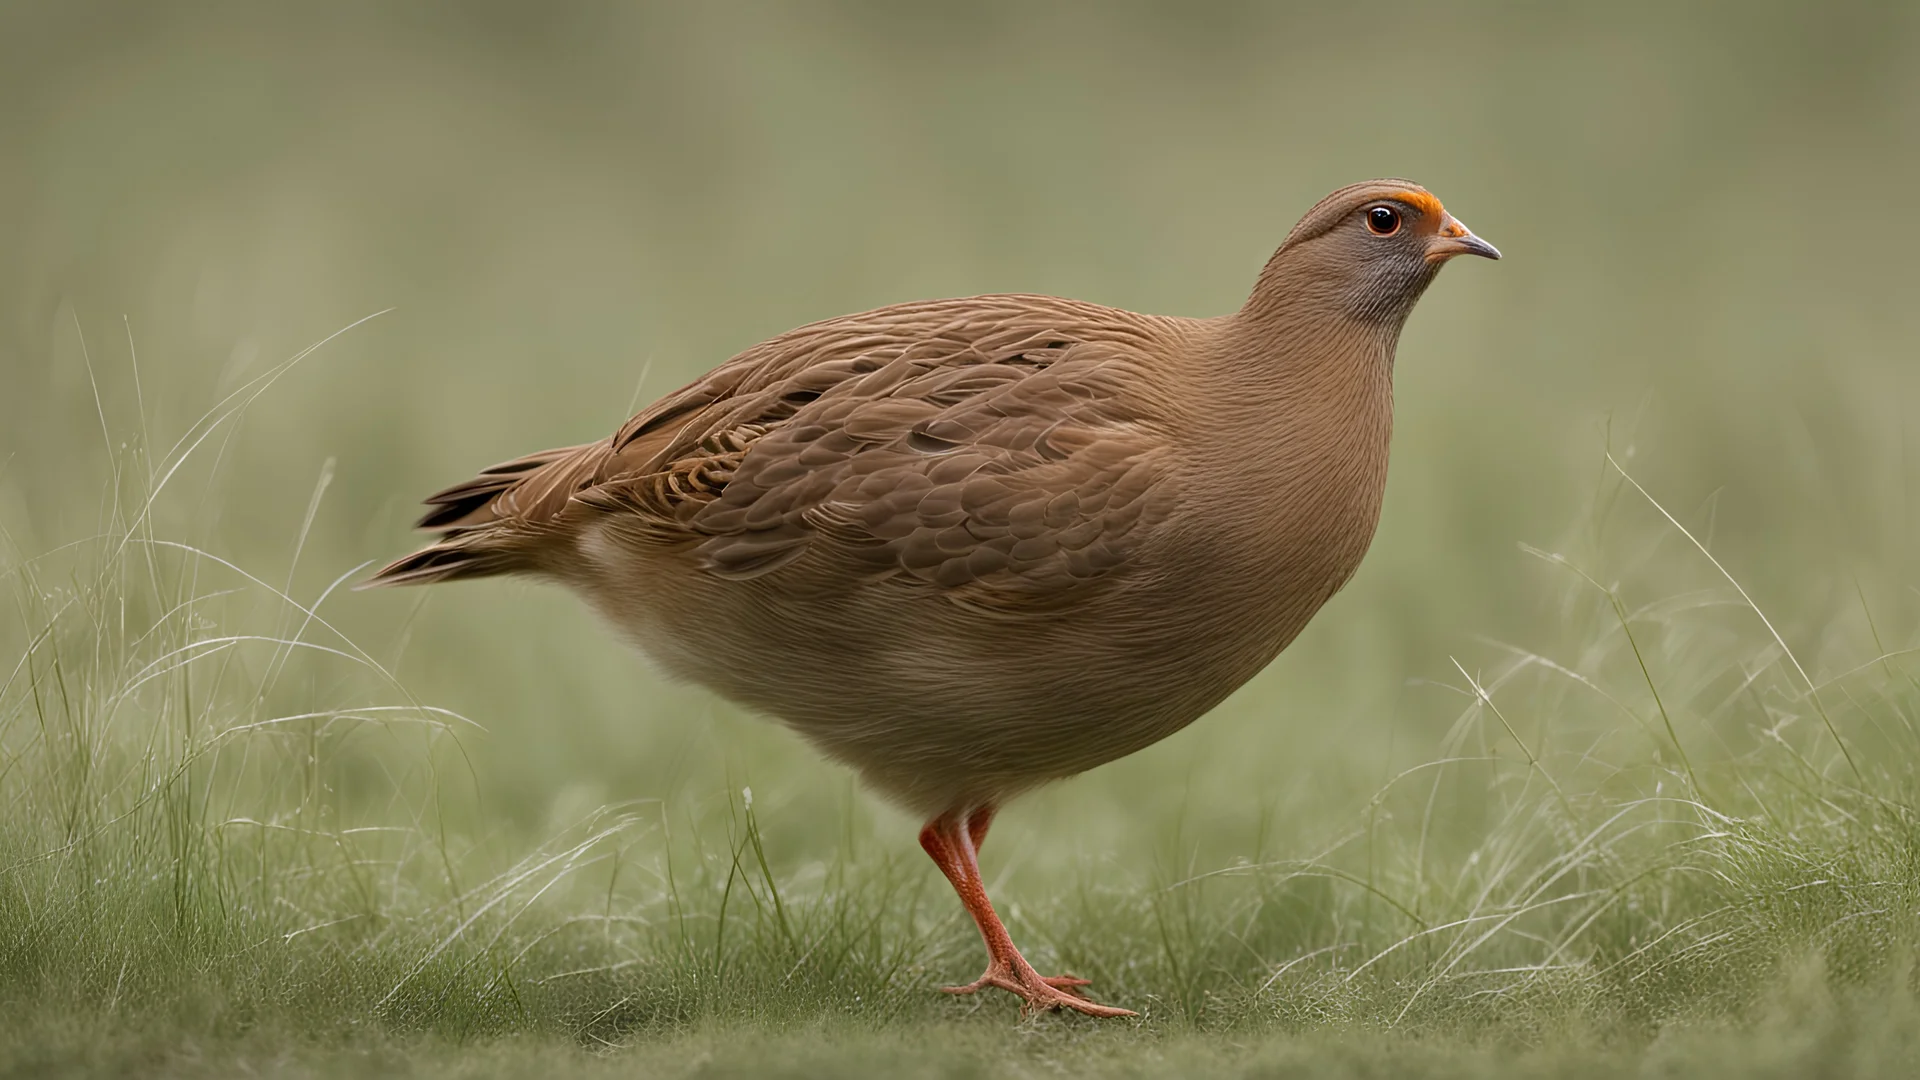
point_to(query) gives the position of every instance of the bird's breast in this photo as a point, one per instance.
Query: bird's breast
(1270, 537)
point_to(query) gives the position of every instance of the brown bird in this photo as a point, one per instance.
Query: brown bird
(971, 546)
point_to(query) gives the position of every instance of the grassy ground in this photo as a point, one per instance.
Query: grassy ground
(233, 839)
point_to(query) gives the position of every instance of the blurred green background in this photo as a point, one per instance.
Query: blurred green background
(1707, 214)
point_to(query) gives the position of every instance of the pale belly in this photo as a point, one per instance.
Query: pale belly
(939, 706)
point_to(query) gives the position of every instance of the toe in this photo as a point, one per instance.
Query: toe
(1040, 993)
(1051, 998)
(1093, 1008)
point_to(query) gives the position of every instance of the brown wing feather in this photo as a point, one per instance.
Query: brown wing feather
(984, 447)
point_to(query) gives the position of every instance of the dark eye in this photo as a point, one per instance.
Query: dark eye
(1383, 220)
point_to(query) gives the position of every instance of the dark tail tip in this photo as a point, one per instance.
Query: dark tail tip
(454, 559)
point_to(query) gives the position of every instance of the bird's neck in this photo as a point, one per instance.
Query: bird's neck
(1299, 420)
(1289, 371)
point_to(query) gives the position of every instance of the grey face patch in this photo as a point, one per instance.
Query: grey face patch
(1384, 292)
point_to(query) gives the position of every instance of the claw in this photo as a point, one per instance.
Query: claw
(1043, 993)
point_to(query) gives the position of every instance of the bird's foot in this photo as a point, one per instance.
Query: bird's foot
(1039, 993)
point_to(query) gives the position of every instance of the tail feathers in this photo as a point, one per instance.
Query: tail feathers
(475, 502)
(474, 553)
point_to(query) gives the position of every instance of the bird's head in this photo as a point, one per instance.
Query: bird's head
(1368, 251)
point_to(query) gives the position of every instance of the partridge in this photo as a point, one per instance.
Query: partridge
(971, 546)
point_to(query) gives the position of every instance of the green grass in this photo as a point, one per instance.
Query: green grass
(232, 837)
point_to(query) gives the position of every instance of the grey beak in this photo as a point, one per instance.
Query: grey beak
(1457, 239)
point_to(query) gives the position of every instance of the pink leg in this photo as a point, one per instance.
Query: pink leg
(978, 823)
(952, 841)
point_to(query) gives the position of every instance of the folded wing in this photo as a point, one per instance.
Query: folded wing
(986, 448)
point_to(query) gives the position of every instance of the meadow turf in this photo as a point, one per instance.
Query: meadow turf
(234, 839)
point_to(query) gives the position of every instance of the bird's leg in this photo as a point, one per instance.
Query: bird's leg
(950, 839)
(978, 823)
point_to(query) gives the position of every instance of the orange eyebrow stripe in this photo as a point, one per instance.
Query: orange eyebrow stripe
(1420, 201)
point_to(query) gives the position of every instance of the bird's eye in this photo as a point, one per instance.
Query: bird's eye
(1383, 220)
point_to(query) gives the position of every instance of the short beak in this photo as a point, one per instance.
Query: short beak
(1456, 239)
